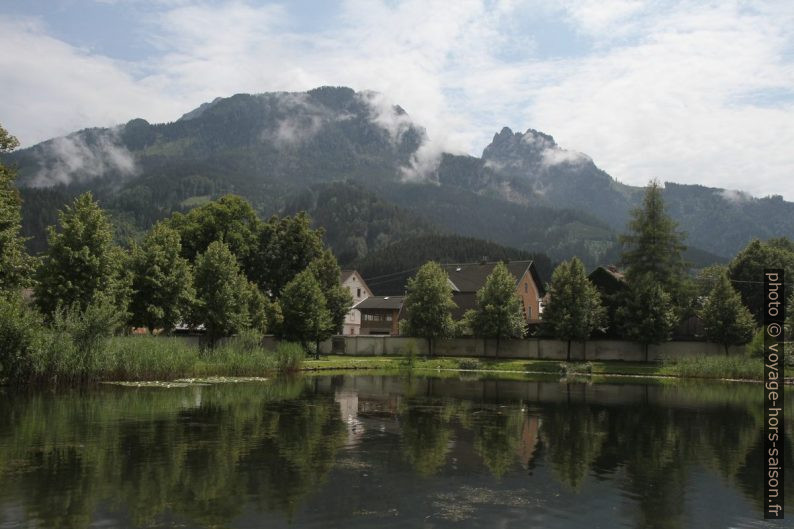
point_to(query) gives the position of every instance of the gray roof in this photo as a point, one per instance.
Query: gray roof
(345, 274)
(381, 302)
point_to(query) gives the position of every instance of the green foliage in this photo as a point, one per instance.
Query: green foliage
(707, 277)
(76, 346)
(428, 303)
(162, 281)
(15, 264)
(289, 357)
(499, 312)
(746, 270)
(725, 319)
(653, 247)
(574, 308)
(739, 367)
(356, 221)
(21, 336)
(337, 297)
(230, 219)
(647, 314)
(149, 357)
(285, 247)
(305, 310)
(222, 293)
(82, 261)
(473, 364)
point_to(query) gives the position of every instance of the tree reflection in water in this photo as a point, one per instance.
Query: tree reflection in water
(209, 454)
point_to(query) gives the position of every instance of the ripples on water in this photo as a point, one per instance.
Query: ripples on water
(386, 451)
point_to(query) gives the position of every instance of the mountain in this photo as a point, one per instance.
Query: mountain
(351, 159)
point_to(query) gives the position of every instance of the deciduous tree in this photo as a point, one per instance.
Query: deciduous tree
(574, 307)
(746, 270)
(428, 304)
(725, 318)
(647, 314)
(499, 312)
(222, 293)
(305, 311)
(82, 261)
(15, 264)
(162, 281)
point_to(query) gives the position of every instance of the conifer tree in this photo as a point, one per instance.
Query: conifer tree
(654, 248)
(574, 308)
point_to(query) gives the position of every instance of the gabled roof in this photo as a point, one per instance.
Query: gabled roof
(380, 302)
(470, 277)
(607, 278)
(345, 275)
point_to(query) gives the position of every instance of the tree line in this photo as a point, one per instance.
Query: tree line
(656, 293)
(218, 266)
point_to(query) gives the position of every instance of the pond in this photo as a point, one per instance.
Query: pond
(387, 451)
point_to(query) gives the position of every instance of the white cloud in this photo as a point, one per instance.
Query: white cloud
(71, 157)
(665, 90)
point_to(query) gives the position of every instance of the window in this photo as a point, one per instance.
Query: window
(358, 292)
(526, 288)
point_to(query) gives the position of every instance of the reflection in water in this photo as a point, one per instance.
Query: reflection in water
(349, 451)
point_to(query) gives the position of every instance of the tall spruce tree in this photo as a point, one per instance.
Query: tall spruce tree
(162, 281)
(499, 312)
(15, 263)
(725, 318)
(428, 304)
(82, 261)
(574, 307)
(654, 248)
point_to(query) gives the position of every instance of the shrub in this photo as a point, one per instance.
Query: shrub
(469, 363)
(21, 337)
(410, 355)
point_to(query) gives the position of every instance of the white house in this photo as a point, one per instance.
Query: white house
(359, 291)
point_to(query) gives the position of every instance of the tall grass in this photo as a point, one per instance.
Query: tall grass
(78, 346)
(150, 358)
(701, 366)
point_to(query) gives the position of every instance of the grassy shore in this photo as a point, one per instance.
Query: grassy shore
(713, 367)
(148, 358)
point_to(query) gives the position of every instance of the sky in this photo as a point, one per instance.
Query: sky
(680, 91)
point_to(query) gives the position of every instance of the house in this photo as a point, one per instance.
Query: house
(359, 291)
(467, 278)
(380, 315)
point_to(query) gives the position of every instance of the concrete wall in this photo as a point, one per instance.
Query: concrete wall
(539, 348)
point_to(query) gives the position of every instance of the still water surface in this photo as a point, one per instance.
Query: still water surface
(387, 451)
